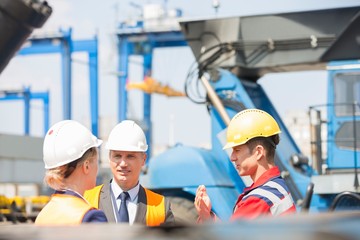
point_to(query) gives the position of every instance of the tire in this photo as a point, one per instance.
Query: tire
(184, 210)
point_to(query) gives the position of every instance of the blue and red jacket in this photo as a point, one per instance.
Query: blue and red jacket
(269, 195)
(68, 208)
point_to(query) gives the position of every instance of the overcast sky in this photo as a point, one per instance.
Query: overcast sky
(190, 122)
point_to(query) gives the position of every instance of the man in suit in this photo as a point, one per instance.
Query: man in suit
(123, 199)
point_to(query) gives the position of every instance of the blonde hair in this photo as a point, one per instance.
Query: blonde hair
(55, 177)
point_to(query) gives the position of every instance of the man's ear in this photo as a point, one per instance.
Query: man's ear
(85, 166)
(260, 152)
(145, 156)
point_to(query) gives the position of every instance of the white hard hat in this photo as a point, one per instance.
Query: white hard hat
(127, 136)
(67, 141)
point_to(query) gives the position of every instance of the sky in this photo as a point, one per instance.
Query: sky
(174, 119)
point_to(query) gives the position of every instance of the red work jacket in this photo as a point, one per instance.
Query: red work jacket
(269, 195)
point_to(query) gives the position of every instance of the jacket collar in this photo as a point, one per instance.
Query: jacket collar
(272, 173)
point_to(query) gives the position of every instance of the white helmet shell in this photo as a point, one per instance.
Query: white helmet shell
(127, 136)
(67, 141)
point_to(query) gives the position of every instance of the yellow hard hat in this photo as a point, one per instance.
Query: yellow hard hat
(248, 124)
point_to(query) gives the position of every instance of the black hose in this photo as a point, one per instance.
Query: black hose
(342, 195)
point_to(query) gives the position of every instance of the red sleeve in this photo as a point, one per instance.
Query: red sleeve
(250, 208)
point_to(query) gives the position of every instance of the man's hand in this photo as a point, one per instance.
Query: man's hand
(202, 203)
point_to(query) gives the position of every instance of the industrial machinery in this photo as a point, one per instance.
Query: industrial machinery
(18, 19)
(232, 54)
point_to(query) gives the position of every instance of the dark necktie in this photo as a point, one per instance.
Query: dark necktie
(123, 212)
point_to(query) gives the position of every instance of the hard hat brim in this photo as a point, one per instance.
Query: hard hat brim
(127, 148)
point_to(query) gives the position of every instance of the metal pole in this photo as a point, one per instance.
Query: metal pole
(147, 64)
(46, 101)
(66, 74)
(94, 88)
(215, 100)
(124, 53)
(316, 140)
(356, 181)
(26, 94)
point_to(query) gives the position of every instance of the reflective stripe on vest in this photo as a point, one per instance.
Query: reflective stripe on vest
(155, 214)
(275, 195)
(155, 204)
(63, 210)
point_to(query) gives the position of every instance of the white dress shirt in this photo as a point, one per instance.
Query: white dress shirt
(131, 203)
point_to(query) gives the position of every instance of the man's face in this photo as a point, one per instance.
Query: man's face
(126, 167)
(244, 161)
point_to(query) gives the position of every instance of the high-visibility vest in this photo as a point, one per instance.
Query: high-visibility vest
(155, 205)
(63, 209)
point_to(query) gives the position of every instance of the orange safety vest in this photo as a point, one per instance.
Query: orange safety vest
(63, 209)
(155, 211)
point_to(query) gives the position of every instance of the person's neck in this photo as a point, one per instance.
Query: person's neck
(126, 188)
(262, 168)
(75, 185)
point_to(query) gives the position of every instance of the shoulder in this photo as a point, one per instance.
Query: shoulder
(94, 215)
(152, 196)
(275, 194)
(271, 191)
(150, 192)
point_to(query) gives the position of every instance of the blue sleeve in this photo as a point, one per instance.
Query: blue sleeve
(94, 216)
